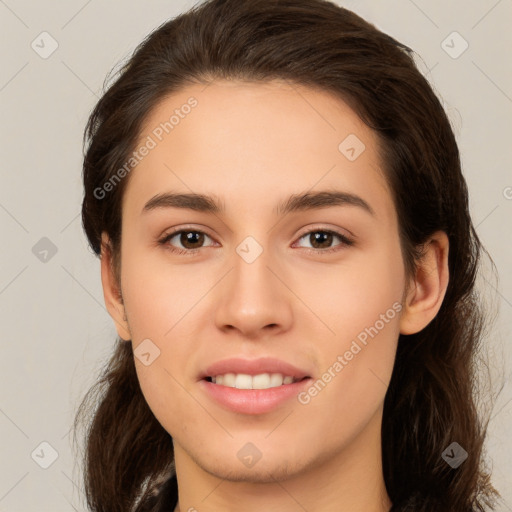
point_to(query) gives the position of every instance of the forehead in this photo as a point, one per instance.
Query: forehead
(249, 142)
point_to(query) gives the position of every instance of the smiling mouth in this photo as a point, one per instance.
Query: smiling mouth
(259, 381)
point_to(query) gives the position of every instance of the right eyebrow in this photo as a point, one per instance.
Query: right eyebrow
(197, 202)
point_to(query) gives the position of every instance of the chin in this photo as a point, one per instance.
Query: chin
(264, 473)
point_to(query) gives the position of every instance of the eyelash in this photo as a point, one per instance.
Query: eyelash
(345, 241)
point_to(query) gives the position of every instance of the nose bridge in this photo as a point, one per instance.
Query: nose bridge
(252, 297)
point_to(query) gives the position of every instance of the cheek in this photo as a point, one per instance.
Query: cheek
(356, 371)
(158, 297)
(352, 297)
(363, 310)
(162, 305)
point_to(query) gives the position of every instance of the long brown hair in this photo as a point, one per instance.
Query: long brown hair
(431, 400)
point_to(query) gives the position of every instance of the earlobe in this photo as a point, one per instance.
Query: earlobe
(428, 288)
(111, 290)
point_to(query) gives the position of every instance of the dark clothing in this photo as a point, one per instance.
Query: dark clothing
(166, 499)
(168, 496)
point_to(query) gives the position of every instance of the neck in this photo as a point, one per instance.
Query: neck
(348, 481)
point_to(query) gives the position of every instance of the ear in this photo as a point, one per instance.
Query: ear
(428, 286)
(112, 290)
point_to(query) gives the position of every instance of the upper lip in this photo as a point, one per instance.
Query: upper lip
(253, 367)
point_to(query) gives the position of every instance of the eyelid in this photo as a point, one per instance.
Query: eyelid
(323, 227)
(195, 228)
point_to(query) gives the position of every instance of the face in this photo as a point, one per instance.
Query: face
(268, 281)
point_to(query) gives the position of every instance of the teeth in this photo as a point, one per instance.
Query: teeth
(229, 380)
(243, 381)
(260, 381)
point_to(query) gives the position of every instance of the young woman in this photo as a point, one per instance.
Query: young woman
(287, 254)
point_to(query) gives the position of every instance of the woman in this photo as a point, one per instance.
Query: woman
(287, 254)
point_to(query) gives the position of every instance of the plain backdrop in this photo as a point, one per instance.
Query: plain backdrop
(55, 331)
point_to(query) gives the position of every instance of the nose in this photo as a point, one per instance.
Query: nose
(253, 298)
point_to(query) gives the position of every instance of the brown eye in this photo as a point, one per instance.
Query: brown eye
(185, 241)
(190, 239)
(321, 240)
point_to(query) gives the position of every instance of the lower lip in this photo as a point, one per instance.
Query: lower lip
(253, 401)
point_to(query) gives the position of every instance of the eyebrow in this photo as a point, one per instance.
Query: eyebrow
(296, 202)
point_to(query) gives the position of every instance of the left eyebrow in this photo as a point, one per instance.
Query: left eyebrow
(322, 199)
(296, 202)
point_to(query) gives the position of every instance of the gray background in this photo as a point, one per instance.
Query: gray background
(54, 327)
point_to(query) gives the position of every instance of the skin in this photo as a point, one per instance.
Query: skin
(252, 145)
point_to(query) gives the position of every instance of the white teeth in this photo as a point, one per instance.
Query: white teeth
(245, 381)
(261, 381)
(276, 379)
(228, 379)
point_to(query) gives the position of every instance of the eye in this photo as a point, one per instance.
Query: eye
(191, 241)
(321, 240)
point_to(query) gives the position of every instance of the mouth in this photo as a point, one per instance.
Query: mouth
(253, 386)
(259, 381)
